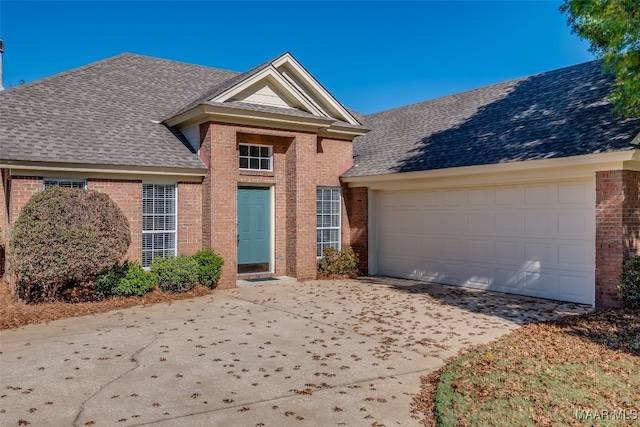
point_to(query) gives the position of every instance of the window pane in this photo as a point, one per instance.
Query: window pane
(244, 150)
(254, 151)
(254, 164)
(64, 183)
(147, 222)
(158, 207)
(158, 221)
(328, 204)
(244, 163)
(264, 164)
(264, 152)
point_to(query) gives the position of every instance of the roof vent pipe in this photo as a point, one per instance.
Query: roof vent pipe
(1, 52)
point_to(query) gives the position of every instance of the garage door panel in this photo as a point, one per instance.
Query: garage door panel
(508, 196)
(572, 287)
(480, 249)
(572, 255)
(536, 240)
(509, 224)
(480, 197)
(540, 195)
(453, 273)
(432, 198)
(453, 248)
(540, 251)
(479, 275)
(454, 198)
(574, 193)
(507, 251)
(540, 224)
(480, 223)
(574, 224)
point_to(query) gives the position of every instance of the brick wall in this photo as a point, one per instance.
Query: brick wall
(189, 218)
(301, 162)
(617, 230)
(22, 189)
(333, 158)
(5, 187)
(128, 196)
(357, 201)
(221, 198)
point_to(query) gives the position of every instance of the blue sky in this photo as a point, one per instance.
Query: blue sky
(371, 56)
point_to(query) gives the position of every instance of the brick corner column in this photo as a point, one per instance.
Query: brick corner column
(219, 206)
(357, 204)
(617, 231)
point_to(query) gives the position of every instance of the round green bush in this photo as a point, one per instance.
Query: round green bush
(629, 286)
(209, 267)
(128, 279)
(65, 237)
(175, 274)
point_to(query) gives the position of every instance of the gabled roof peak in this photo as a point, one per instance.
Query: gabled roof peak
(282, 81)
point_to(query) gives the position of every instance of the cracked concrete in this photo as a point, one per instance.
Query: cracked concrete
(317, 353)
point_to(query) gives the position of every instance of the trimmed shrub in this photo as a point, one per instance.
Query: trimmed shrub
(629, 286)
(65, 237)
(128, 279)
(338, 263)
(175, 274)
(209, 267)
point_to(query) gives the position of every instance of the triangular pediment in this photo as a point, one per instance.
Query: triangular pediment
(284, 83)
(265, 92)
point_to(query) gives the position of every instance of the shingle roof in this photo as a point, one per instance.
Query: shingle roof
(560, 113)
(104, 113)
(219, 88)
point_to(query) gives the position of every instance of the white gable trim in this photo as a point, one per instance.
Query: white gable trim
(275, 78)
(288, 61)
(297, 85)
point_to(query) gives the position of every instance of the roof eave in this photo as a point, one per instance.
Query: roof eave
(573, 167)
(24, 165)
(231, 114)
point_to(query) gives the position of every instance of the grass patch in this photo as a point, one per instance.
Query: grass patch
(542, 374)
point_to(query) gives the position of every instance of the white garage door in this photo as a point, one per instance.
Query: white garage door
(536, 240)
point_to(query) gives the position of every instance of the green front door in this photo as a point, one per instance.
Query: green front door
(254, 229)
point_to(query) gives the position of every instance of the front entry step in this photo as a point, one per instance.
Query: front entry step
(250, 280)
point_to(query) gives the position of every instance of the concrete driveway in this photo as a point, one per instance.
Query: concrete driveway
(320, 353)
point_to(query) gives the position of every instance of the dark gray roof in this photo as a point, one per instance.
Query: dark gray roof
(104, 114)
(556, 114)
(219, 88)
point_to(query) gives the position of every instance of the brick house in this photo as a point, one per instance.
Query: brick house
(529, 186)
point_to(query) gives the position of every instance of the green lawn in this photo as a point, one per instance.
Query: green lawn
(565, 372)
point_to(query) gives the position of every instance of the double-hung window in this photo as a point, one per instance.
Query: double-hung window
(159, 212)
(328, 218)
(256, 157)
(65, 183)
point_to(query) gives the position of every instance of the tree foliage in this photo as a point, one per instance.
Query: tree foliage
(613, 29)
(65, 237)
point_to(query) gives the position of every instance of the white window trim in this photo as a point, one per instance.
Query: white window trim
(174, 231)
(249, 157)
(339, 227)
(58, 181)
